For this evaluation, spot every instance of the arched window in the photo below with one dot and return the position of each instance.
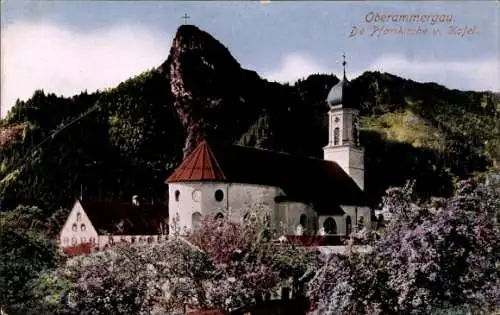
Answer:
(219, 216)
(92, 240)
(83, 228)
(66, 241)
(348, 226)
(355, 132)
(177, 195)
(303, 220)
(150, 239)
(196, 219)
(219, 195)
(78, 216)
(336, 136)
(361, 223)
(74, 240)
(132, 240)
(74, 227)
(380, 221)
(330, 226)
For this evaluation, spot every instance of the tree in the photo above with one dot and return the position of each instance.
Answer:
(221, 265)
(432, 257)
(23, 256)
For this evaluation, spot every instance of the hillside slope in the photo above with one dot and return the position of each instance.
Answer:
(116, 143)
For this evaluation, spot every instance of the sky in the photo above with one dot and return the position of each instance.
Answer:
(65, 47)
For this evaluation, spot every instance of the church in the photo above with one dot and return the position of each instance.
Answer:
(297, 195)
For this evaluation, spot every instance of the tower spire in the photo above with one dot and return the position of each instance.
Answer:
(343, 64)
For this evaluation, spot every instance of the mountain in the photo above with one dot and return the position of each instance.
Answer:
(119, 142)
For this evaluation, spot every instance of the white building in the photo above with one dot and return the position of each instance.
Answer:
(301, 195)
(103, 224)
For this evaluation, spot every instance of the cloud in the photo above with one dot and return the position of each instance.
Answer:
(61, 61)
(483, 74)
(294, 66)
(472, 74)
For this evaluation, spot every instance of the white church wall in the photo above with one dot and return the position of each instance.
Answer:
(77, 229)
(357, 214)
(245, 198)
(288, 216)
(208, 199)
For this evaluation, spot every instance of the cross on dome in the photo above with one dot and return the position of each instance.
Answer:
(343, 64)
(185, 17)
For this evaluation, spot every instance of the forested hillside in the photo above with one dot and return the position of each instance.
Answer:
(126, 140)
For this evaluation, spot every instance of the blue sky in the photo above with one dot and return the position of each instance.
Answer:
(68, 46)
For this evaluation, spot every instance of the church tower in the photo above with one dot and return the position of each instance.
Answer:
(343, 131)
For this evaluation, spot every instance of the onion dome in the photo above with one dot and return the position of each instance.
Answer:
(341, 93)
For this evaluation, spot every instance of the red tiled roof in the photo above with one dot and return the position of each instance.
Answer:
(124, 218)
(301, 178)
(199, 165)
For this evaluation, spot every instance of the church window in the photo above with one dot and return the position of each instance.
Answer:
(83, 227)
(74, 227)
(219, 195)
(150, 239)
(74, 240)
(348, 226)
(330, 226)
(66, 240)
(78, 216)
(196, 219)
(303, 219)
(336, 135)
(92, 240)
(219, 216)
(177, 195)
(196, 195)
(361, 223)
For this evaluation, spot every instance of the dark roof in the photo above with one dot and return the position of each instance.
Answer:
(342, 94)
(301, 178)
(125, 218)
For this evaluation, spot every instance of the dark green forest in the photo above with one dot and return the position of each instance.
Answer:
(116, 143)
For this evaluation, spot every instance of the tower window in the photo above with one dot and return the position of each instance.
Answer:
(177, 195)
(219, 195)
(355, 132)
(336, 136)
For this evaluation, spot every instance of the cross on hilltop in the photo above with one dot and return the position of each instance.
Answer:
(185, 17)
